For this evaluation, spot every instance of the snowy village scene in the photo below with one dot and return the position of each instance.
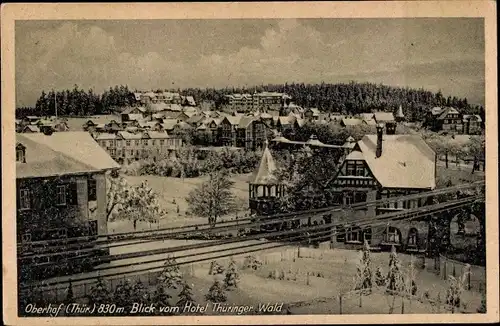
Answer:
(216, 167)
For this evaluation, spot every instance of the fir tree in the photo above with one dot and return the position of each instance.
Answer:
(482, 307)
(69, 295)
(171, 276)
(141, 295)
(232, 276)
(216, 293)
(161, 298)
(99, 292)
(394, 276)
(186, 296)
(379, 277)
(364, 272)
(123, 294)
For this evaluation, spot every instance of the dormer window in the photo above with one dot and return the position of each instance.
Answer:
(20, 153)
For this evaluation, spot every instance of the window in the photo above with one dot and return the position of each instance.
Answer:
(354, 234)
(340, 233)
(127, 142)
(24, 199)
(162, 142)
(137, 143)
(144, 141)
(392, 235)
(348, 198)
(20, 157)
(367, 235)
(131, 152)
(61, 195)
(137, 153)
(360, 170)
(351, 168)
(153, 142)
(360, 197)
(92, 189)
(112, 152)
(413, 238)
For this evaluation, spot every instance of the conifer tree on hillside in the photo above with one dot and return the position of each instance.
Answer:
(216, 293)
(185, 296)
(232, 276)
(99, 292)
(171, 276)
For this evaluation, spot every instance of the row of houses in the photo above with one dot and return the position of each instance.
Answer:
(31, 124)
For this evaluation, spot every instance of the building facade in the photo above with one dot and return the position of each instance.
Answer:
(126, 147)
(380, 167)
(60, 186)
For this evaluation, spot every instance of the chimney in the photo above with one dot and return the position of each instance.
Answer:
(380, 130)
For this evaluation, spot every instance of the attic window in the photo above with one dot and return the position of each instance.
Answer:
(20, 153)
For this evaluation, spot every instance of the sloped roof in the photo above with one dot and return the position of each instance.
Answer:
(246, 121)
(131, 109)
(367, 116)
(472, 117)
(156, 134)
(169, 124)
(406, 161)
(127, 135)
(233, 120)
(105, 136)
(61, 153)
(351, 121)
(195, 118)
(266, 115)
(436, 110)
(355, 155)
(32, 128)
(135, 116)
(265, 172)
(384, 116)
(301, 122)
(447, 111)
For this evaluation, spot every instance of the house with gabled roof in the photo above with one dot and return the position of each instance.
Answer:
(446, 119)
(60, 185)
(311, 114)
(229, 126)
(380, 167)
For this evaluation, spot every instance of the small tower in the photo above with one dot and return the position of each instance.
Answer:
(264, 189)
(349, 145)
(399, 115)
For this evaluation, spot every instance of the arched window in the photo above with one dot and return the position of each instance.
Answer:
(412, 238)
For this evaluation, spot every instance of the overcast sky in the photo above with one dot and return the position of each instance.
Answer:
(446, 54)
